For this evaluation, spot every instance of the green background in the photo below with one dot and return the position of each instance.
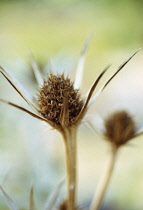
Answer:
(54, 31)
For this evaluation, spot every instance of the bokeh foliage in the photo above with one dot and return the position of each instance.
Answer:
(52, 28)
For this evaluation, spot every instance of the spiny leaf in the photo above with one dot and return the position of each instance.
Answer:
(31, 199)
(9, 200)
(19, 88)
(36, 70)
(53, 197)
(111, 78)
(81, 114)
(80, 65)
(25, 110)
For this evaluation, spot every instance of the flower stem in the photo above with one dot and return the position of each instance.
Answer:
(104, 181)
(69, 135)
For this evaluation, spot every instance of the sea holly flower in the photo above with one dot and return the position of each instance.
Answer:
(59, 104)
(119, 129)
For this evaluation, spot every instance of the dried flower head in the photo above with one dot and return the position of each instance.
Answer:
(57, 92)
(59, 103)
(119, 128)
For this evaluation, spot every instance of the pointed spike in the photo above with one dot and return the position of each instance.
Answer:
(81, 114)
(36, 70)
(96, 83)
(109, 80)
(95, 96)
(31, 199)
(86, 44)
(19, 88)
(64, 115)
(27, 111)
(121, 67)
(53, 197)
(80, 65)
(9, 200)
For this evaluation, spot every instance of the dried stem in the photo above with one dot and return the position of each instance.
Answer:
(104, 181)
(69, 135)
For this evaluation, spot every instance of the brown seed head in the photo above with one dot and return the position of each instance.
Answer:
(58, 101)
(120, 128)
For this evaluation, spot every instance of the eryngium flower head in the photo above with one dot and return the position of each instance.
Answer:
(119, 128)
(57, 92)
(58, 102)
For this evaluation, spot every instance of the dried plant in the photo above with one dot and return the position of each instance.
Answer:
(50, 204)
(9, 200)
(59, 104)
(120, 128)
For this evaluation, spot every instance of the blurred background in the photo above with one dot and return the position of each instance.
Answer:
(54, 31)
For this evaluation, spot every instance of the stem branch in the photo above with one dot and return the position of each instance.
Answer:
(70, 150)
(104, 181)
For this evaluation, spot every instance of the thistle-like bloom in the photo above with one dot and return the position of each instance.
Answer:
(59, 101)
(59, 104)
(119, 129)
